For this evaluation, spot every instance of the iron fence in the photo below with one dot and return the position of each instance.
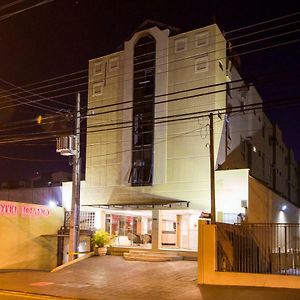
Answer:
(258, 248)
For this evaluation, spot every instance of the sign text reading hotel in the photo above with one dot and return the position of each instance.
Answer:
(23, 210)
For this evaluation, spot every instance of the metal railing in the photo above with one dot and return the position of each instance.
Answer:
(258, 248)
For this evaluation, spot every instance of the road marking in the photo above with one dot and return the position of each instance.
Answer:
(41, 283)
(31, 296)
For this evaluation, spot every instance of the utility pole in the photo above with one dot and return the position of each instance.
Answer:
(212, 170)
(75, 209)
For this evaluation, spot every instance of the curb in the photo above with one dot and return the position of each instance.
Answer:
(34, 295)
(72, 262)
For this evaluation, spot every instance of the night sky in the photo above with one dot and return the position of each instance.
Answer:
(60, 37)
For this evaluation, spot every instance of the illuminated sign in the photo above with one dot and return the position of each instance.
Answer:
(7, 208)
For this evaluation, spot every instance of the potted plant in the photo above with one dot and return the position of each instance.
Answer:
(100, 240)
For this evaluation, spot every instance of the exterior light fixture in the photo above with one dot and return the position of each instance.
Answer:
(254, 149)
(283, 207)
(52, 204)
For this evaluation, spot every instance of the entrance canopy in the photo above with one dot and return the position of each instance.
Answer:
(141, 201)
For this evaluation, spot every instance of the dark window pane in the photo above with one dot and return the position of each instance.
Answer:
(143, 111)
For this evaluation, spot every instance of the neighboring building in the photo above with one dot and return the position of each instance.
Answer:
(253, 142)
(148, 160)
(42, 195)
(29, 235)
(38, 181)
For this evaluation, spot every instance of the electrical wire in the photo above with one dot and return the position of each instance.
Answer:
(263, 22)
(41, 106)
(271, 28)
(9, 15)
(46, 122)
(181, 117)
(247, 52)
(5, 6)
(29, 159)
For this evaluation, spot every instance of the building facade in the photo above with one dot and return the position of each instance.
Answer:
(148, 156)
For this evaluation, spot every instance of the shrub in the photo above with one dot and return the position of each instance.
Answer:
(101, 238)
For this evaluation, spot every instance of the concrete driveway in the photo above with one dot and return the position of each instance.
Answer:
(112, 277)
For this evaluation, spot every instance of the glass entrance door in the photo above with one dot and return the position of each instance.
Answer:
(130, 230)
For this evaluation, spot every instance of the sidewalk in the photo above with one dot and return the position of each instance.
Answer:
(112, 277)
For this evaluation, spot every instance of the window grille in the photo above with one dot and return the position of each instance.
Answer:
(87, 220)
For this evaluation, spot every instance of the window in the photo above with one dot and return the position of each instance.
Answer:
(243, 147)
(229, 89)
(221, 65)
(98, 68)
(97, 89)
(180, 45)
(286, 160)
(244, 90)
(201, 64)
(113, 64)
(263, 163)
(201, 39)
(242, 106)
(143, 112)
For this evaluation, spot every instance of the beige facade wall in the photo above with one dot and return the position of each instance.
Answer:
(22, 227)
(181, 155)
(232, 193)
(265, 206)
(190, 73)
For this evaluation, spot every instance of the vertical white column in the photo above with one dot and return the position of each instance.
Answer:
(156, 236)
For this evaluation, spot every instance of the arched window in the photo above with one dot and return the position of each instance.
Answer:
(143, 111)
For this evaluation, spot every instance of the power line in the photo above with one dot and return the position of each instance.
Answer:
(54, 119)
(230, 56)
(28, 159)
(263, 22)
(46, 92)
(11, 4)
(9, 15)
(47, 120)
(176, 93)
(265, 29)
(181, 117)
(49, 80)
(251, 51)
(41, 106)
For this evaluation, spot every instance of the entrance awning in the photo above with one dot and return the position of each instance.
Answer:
(142, 201)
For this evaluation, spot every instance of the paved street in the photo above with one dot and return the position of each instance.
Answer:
(8, 295)
(111, 277)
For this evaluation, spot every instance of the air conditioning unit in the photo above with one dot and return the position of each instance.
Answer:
(65, 145)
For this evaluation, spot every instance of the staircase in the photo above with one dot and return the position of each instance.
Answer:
(151, 256)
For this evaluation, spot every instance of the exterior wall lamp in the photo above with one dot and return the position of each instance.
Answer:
(283, 207)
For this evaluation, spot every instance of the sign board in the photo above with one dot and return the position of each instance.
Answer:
(21, 209)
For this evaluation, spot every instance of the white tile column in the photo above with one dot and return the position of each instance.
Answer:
(156, 236)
